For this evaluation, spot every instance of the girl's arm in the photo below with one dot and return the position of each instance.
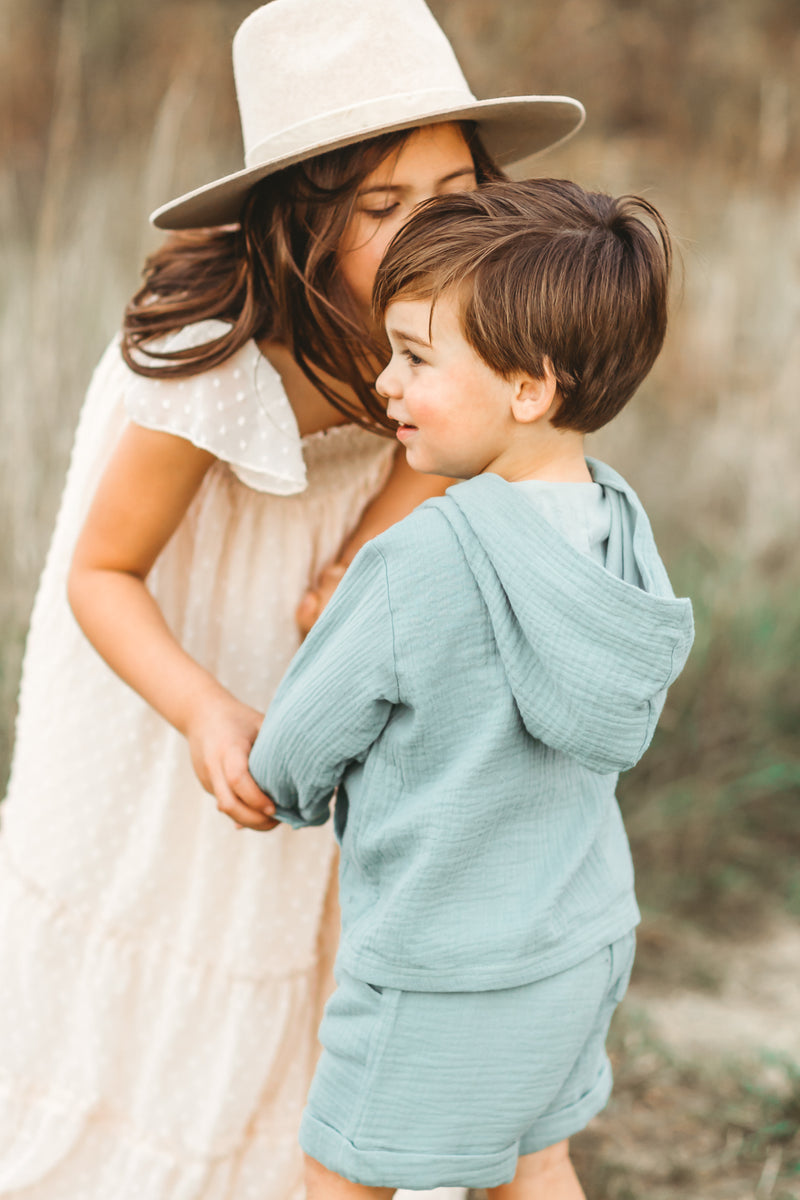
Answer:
(403, 491)
(145, 491)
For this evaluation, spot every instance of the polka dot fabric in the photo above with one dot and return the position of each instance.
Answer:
(161, 973)
(239, 411)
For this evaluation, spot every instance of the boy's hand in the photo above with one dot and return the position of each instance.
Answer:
(316, 598)
(221, 735)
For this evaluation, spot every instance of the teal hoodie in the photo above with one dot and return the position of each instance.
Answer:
(473, 689)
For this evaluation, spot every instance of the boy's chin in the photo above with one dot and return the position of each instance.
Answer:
(425, 465)
(426, 468)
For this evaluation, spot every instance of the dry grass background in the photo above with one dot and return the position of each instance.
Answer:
(108, 109)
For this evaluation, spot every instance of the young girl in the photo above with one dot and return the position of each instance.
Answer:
(161, 974)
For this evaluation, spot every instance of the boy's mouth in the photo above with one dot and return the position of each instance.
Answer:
(404, 431)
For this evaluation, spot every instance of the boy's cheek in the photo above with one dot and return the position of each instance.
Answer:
(421, 406)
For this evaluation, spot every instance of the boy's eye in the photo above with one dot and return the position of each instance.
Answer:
(413, 358)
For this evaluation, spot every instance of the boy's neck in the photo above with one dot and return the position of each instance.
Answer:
(557, 459)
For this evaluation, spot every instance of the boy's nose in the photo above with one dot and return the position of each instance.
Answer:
(385, 385)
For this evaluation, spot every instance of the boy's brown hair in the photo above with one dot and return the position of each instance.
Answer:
(544, 270)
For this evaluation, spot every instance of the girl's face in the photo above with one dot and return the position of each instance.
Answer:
(434, 159)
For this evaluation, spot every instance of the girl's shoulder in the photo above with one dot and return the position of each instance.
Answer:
(238, 411)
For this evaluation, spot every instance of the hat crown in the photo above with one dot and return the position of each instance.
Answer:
(301, 66)
(315, 75)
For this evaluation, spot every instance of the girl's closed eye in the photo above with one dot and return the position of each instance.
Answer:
(378, 214)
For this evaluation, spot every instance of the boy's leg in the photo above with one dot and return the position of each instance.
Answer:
(322, 1184)
(545, 1175)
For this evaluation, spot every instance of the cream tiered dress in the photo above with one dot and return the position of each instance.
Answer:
(161, 973)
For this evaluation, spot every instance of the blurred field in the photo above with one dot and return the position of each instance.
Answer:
(108, 109)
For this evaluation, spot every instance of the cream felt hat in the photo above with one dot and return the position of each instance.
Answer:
(312, 75)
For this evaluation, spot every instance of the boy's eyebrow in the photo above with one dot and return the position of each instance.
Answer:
(402, 336)
(397, 187)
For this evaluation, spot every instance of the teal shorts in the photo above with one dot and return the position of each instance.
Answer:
(432, 1089)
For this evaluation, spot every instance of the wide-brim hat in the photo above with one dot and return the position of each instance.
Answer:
(313, 75)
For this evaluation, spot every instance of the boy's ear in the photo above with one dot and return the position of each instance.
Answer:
(533, 398)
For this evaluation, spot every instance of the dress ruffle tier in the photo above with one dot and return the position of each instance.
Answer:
(161, 973)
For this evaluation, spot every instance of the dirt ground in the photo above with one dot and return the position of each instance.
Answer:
(707, 1102)
(756, 1007)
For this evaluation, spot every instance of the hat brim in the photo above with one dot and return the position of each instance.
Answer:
(512, 129)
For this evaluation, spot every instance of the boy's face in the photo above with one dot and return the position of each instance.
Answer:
(453, 410)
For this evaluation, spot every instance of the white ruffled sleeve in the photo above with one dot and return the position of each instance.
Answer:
(238, 411)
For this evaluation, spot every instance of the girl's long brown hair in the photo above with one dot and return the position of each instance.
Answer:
(275, 276)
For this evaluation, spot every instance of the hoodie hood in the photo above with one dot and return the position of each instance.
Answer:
(589, 650)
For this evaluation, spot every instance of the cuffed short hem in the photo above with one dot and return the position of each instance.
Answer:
(401, 1169)
(554, 1127)
(421, 1172)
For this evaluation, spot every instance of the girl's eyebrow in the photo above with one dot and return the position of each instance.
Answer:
(398, 187)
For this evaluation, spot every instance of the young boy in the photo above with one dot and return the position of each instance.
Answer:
(482, 674)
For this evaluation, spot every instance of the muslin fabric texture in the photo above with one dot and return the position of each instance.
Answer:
(161, 973)
(528, 1066)
(473, 690)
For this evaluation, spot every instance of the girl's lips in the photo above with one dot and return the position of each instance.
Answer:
(404, 431)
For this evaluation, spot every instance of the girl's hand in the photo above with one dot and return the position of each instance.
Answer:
(220, 735)
(144, 493)
(315, 599)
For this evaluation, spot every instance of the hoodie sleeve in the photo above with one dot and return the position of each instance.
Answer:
(334, 700)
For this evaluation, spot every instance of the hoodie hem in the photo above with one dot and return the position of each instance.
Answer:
(373, 969)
